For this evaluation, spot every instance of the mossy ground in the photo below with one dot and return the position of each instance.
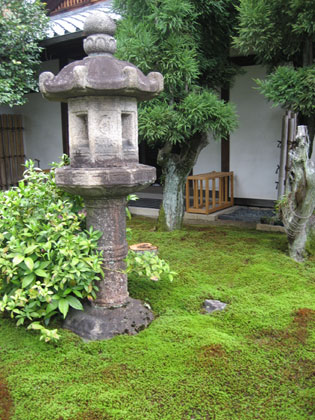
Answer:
(253, 360)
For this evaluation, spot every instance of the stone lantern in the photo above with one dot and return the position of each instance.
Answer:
(102, 94)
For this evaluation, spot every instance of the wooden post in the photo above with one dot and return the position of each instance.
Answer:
(187, 195)
(207, 195)
(291, 137)
(6, 151)
(283, 154)
(220, 192)
(13, 129)
(196, 194)
(226, 199)
(2, 163)
(213, 194)
(20, 148)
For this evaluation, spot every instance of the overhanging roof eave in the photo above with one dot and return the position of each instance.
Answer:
(62, 38)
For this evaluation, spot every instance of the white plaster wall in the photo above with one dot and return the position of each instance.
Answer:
(254, 154)
(209, 158)
(42, 124)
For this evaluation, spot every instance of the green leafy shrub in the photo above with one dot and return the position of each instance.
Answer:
(48, 261)
(149, 266)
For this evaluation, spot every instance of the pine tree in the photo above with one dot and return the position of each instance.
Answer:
(188, 42)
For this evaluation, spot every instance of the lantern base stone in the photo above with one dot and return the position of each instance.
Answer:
(100, 323)
(106, 182)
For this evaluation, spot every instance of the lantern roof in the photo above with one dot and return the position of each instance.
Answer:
(100, 73)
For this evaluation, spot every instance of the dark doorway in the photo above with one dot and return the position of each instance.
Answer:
(148, 156)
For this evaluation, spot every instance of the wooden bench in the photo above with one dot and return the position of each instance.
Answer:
(211, 192)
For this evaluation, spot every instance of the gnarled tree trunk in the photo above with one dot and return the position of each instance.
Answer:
(175, 169)
(298, 206)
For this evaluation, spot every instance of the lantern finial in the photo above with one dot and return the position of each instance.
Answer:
(99, 29)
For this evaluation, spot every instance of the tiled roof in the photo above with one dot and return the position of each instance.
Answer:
(73, 21)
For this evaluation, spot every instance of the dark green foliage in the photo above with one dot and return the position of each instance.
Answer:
(23, 24)
(276, 30)
(188, 42)
(254, 360)
(293, 89)
(161, 123)
(279, 32)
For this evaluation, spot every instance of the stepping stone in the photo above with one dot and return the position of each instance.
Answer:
(211, 305)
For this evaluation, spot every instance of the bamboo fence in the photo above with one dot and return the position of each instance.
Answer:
(12, 155)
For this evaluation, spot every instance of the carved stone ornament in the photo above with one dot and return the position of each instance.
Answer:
(102, 94)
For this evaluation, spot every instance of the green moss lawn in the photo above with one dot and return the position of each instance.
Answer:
(253, 360)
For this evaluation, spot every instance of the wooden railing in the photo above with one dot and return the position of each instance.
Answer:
(70, 4)
(12, 155)
(211, 192)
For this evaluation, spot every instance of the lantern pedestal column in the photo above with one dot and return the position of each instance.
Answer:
(104, 191)
(113, 311)
(109, 217)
